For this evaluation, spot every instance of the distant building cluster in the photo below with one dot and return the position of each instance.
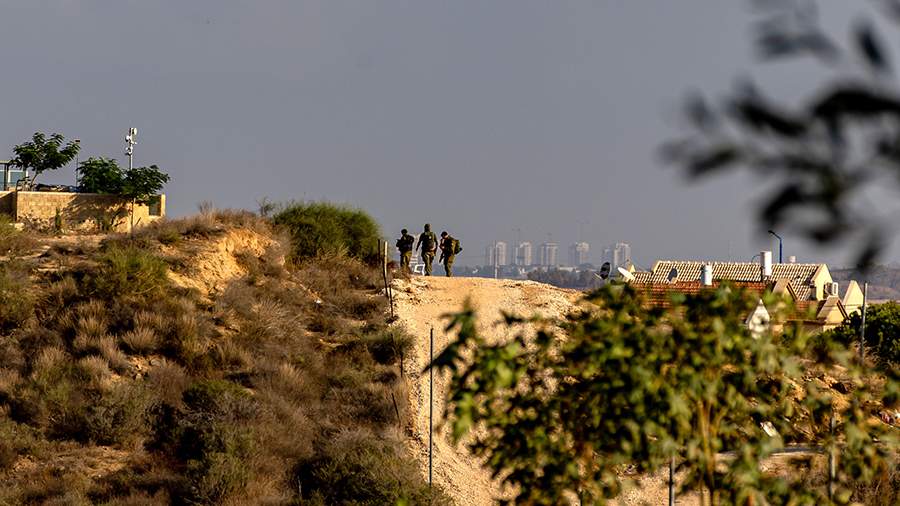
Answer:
(548, 254)
(523, 254)
(495, 254)
(618, 255)
(579, 254)
(515, 260)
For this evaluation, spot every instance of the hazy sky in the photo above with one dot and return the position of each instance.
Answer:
(477, 116)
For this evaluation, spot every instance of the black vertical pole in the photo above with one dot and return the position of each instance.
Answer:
(430, 405)
(862, 330)
(672, 481)
(831, 459)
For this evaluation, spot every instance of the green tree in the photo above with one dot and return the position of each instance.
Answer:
(141, 185)
(43, 153)
(882, 333)
(633, 386)
(100, 175)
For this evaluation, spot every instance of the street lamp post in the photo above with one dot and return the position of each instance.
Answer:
(780, 247)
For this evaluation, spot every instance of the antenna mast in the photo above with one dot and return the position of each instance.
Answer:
(130, 141)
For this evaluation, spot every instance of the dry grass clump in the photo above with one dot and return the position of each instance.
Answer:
(207, 223)
(48, 361)
(9, 380)
(168, 381)
(60, 293)
(96, 370)
(149, 320)
(231, 356)
(141, 340)
(118, 360)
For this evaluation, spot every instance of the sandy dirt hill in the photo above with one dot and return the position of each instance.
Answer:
(421, 303)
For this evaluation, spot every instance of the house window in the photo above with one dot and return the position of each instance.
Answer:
(12, 177)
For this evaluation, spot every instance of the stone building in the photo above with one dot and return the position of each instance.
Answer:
(78, 211)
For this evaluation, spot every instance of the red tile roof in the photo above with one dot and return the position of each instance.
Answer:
(660, 294)
(799, 275)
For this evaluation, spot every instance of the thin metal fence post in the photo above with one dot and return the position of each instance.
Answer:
(430, 406)
(672, 481)
(831, 463)
(862, 333)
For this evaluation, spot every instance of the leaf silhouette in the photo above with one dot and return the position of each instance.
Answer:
(713, 160)
(854, 101)
(763, 117)
(870, 47)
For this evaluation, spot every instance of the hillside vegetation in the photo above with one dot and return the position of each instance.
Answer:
(191, 364)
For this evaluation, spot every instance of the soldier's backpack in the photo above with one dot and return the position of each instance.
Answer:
(428, 241)
(456, 247)
(405, 243)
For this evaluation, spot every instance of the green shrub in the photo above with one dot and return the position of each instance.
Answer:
(112, 418)
(882, 333)
(322, 228)
(126, 270)
(358, 467)
(212, 437)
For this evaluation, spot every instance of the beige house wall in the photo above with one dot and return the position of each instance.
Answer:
(853, 298)
(821, 278)
(82, 211)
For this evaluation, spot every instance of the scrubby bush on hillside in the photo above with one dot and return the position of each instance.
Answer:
(127, 270)
(353, 467)
(212, 437)
(322, 228)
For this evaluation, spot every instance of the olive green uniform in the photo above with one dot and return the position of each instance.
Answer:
(405, 245)
(428, 254)
(447, 255)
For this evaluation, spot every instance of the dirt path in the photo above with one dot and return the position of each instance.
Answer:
(421, 303)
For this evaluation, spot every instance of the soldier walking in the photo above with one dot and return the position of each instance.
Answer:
(428, 241)
(405, 245)
(449, 248)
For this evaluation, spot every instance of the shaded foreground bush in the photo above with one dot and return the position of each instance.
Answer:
(249, 396)
(882, 333)
(353, 467)
(322, 228)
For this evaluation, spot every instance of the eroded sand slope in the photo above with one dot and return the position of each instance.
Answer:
(420, 304)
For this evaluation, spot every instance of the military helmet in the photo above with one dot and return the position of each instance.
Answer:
(403, 231)
(428, 227)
